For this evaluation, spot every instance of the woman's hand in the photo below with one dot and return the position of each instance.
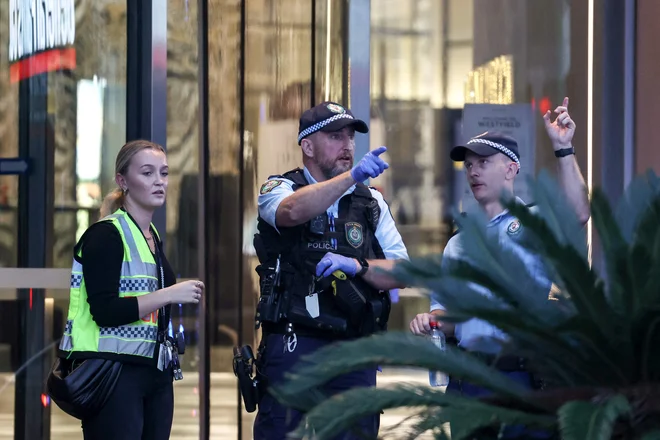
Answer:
(186, 292)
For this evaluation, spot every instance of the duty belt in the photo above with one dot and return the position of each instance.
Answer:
(281, 328)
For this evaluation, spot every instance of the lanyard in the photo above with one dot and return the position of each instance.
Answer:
(163, 319)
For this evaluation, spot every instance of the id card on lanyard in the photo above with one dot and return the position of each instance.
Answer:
(164, 351)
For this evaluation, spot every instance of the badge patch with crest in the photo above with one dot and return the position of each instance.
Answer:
(269, 186)
(354, 234)
(514, 227)
(335, 108)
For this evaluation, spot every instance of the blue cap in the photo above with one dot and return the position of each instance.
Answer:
(487, 144)
(328, 117)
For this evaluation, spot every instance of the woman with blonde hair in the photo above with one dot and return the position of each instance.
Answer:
(122, 287)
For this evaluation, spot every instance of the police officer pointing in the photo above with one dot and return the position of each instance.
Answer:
(492, 161)
(321, 233)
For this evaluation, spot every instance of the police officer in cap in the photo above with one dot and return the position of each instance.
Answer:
(321, 235)
(492, 162)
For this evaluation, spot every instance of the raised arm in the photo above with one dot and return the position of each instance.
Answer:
(312, 200)
(561, 133)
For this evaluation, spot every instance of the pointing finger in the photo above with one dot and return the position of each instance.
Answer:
(565, 104)
(378, 151)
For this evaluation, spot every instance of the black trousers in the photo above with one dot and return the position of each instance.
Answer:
(140, 407)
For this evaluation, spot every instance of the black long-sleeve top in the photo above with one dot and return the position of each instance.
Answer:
(102, 258)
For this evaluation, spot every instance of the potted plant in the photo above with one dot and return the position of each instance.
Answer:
(595, 340)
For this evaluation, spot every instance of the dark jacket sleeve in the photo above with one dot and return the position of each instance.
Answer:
(102, 257)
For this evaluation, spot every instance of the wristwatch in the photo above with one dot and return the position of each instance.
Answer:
(365, 267)
(565, 152)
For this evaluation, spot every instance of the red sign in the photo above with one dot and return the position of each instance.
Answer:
(40, 36)
(49, 61)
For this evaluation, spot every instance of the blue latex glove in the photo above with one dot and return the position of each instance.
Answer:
(370, 166)
(332, 262)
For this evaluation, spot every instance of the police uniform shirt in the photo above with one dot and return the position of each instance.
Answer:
(475, 334)
(277, 189)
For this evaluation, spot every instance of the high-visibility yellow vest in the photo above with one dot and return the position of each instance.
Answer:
(139, 276)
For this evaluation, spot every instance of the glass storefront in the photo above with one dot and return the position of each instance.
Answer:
(237, 76)
(443, 71)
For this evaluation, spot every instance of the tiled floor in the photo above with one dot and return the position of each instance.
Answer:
(185, 427)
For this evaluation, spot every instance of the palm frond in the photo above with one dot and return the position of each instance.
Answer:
(598, 324)
(648, 327)
(599, 338)
(646, 245)
(580, 280)
(654, 435)
(518, 288)
(419, 423)
(394, 349)
(635, 201)
(344, 410)
(554, 351)
(592, 421)
(615, 250)
(559, 216)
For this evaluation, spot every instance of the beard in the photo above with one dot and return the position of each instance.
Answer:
(332, 170)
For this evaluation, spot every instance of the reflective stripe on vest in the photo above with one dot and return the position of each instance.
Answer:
(139, 276)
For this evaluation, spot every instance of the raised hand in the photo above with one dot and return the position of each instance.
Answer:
(370, 166)
(562, 129)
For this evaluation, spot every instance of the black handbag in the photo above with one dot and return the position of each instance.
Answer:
(82, 387)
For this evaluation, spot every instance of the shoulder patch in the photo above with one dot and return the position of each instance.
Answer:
(514, 227)
(269, 186)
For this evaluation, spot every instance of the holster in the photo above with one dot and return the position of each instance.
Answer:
(252, 384)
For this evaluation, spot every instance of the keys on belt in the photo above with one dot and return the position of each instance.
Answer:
(176, 366)
(168, 355)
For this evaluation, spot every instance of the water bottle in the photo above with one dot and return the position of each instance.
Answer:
(438, 378)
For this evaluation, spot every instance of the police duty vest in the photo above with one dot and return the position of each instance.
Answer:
(300, 248)
(139, 276)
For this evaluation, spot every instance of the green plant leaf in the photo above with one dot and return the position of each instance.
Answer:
(481, 249)
(558, 214)
(636, 199)
(591, 421)
(574, 270)
(646, 249)
(648, 332)
(654, 435)
(393, 348)
(466, 415)
(586, 291)
(615, 250)
(535, 307)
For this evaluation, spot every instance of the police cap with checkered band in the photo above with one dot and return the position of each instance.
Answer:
(328, 117)
(488, 144)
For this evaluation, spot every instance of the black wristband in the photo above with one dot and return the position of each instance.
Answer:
(365, 267)
(565, 152)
